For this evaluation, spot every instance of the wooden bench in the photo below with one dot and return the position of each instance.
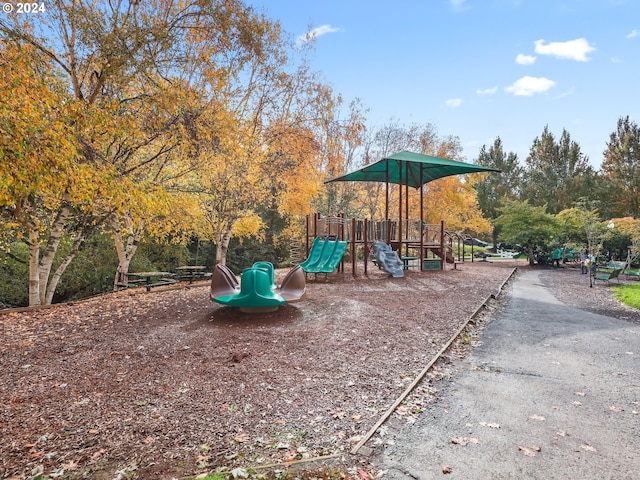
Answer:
(191, 273)
(149, 280)
(634, 274)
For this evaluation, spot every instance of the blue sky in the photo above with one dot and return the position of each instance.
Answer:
(479, 69)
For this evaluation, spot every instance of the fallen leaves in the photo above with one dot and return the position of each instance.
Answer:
(402, 410)
(490, 425)
(530, 451)
(241, 438)
(464, 440)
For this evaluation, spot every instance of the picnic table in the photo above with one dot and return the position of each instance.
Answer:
(193, 272)
(150, 279)
(409, 262)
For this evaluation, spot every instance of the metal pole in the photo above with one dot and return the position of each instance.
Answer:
(406, 209)
(386, 188)
(399, 207)
(421, 222)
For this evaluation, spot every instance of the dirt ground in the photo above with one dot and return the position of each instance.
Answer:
(167, 384)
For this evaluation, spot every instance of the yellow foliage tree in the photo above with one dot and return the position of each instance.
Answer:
(41, 179)
(630, 226)
(128, 68)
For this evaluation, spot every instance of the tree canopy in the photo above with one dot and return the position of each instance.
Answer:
(178, 121)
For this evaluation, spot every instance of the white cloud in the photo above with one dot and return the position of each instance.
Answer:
(616, 60)
(527, 86)
(573, 49)
(565, 94)
(525, 59)
(313, 35)
(487, 91)
(453, 102)
(458, 4)
(634, 33)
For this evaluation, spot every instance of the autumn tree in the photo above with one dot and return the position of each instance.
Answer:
(557, 173)
(340, 139)
(121, 62)
(630, 227)
(41, 179)
(621, 169)
(267, 157)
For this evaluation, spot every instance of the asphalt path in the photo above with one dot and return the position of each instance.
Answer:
(553, 392)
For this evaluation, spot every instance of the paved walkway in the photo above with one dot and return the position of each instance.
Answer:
(553, 392)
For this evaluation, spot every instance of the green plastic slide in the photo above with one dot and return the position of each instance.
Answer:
(325, 255)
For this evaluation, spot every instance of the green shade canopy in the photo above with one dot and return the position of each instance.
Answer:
(404, 168)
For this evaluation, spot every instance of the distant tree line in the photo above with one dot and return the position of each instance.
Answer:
(556, 197)
(137, 136)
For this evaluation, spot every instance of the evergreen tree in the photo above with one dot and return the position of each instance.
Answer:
(493, 190)
(621, 169)
(557, 173)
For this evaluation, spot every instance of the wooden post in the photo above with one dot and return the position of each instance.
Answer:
(306, 234)
(316, 216)
(353, 247)
(442, 251)
(366, 245)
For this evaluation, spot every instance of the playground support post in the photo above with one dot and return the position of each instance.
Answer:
(353, 246)
(443, 253)
(366, 245)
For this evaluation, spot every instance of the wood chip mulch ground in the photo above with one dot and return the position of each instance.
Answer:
(167, 384)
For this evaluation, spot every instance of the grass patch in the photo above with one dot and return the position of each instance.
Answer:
(628, 294)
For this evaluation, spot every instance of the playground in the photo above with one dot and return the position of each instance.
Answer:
(171, 383)
(167, 383)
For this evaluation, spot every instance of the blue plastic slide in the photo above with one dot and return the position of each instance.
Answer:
(388, 259)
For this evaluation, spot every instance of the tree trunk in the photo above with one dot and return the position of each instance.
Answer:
(494, 237)
(222, 246)
(53, 282)
(532, 259)
(125, 249)
(41, 287)
(34, 260)
(46, 262)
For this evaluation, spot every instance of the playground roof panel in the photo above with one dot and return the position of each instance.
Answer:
(413, 169)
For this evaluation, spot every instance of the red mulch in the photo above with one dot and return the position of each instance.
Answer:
(167, 384)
